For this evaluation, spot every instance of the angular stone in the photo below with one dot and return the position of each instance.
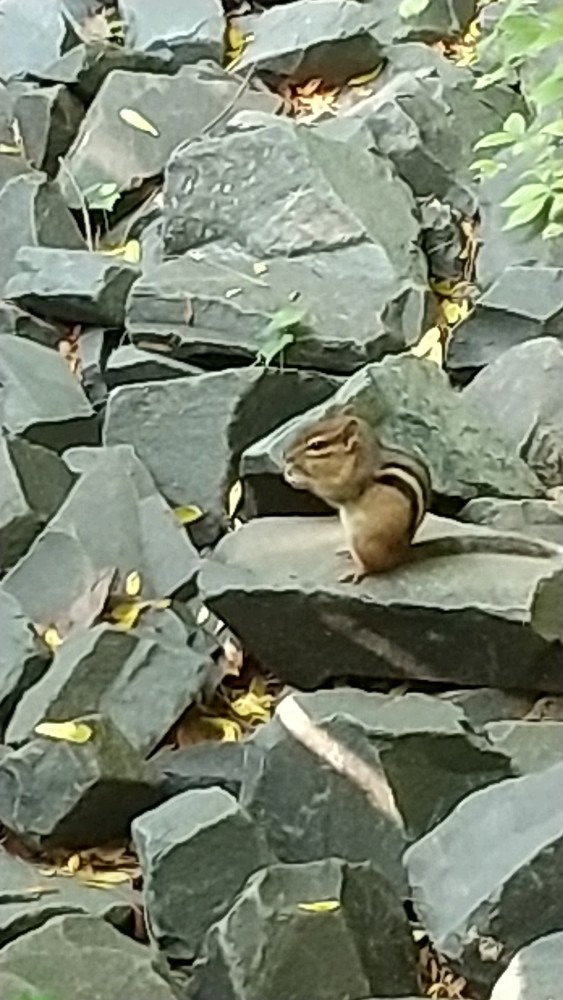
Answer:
(48, 119)
(84, 67)
(333, 39)
(207, 420)
(520, 393)
(206, 843)
(92, 349)
(71, 953)
(34, 33)
(525, 302)
(481, 705)
(532, 746)
(72, 286)
(540, 518)
(481, 892)
(30, 898)
(261, 949)
(437, 22)
(176, 32)
(206, 765)
(129, 364)
(355, 775)
(34, 481)
(54, 793)
(142, 683)
(275, 582)
(214, 311)
(411, 404)
(535, 972)
(41, 400)
(174, 106)
(22, 324)
(32, 214)
(23, 657)
(82, 542)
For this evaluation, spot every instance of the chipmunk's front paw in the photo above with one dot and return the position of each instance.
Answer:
(344, 552)
(353, 576)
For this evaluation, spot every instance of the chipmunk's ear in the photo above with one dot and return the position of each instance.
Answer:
(349, 432)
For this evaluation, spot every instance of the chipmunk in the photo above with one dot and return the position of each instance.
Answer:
(381, 496)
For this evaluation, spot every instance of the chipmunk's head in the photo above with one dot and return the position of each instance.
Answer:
(334, 458)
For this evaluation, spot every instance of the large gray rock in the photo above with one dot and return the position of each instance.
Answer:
(48, 119)
(34, 33)
(262, 948)
(411, 405)
(535, 972)
(22, 324)
(173, 106)
(190, 432)
(540, 518)
(531, 745)
(196, 852)
(482, 892)
(112, 520)
(23, 657)
(78, 957)
(40, 399)
(476, 619)
(57, 793)
(357, 776)
(175, 31)
(142, 681)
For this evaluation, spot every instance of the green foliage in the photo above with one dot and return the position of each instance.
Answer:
(521, 33)
(285, 327)
(102, 195)
(410, 8)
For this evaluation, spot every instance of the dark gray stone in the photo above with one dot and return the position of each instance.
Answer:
(72, 286)
(532, 746)
(34, 33)
(411, 404)
(540, 518)
(175, 31)
(176, 107)
(21, 324)
(129, 364)
(437, 22)
(113, 518)
(535, 972)
(355, 775)
(23, 657)
(332, 39)
(54, 793)
(143, 683)
(40, 398)
(262, 948)
(482, 892)
(205, 843)
(34, 481)
(207, 765)
(30, 898)
(357, 309)
(48, 118)
(481, 705)
(77, 957)
(93, 348)
(32, 214)
(84, 67)
(191, 432)
(524, 303)
(473, 619)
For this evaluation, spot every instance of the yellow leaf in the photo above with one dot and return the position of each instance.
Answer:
(52, 638)
(230, 731)
(357, 81)
(107, 878)
(322, 906)
(236, 43)
(9, 150)
(136, 120)
(70, 732)
(202, 615)
(188, 514)
(133, 584)
(454, 312)
(73, 863)
(127, 614)
(251, 706)
(235, 497)
(260, 268)
(430, 346)
(130, 252)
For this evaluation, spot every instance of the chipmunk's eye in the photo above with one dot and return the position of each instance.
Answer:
(316, 444)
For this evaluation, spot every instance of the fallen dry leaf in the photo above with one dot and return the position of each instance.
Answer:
(68, 732)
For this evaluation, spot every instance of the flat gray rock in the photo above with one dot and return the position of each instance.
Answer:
(531, 745)
(23, 657)
(468, 619)
(176, 32)
(77, 957)
(535, 972)
(22, 324)
(540, 518)
(486, 704)
(206, 843)
(411, 404)
(48, 119)
(34, 33)
(481, 892)
(272, 943)
(129, 364)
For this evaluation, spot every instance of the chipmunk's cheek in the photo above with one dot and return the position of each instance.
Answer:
(292, 477)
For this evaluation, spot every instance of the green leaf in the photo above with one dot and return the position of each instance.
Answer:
(515, 125)
(488, 168)
(285, 318)
(556, 208)
(103, 195)
(488, 79)
(549, 90)
(494, 139)
(552, 230)
(274, 345)
(525, 194)
(554, 128)
(410, 8)
(524, 214)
